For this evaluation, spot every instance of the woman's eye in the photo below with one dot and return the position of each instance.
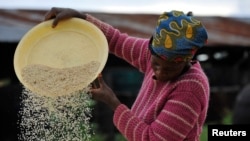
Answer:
(156, 64)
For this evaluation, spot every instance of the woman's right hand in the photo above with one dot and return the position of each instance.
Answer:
(59, 14)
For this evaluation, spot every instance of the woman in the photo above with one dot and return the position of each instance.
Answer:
(173, 100)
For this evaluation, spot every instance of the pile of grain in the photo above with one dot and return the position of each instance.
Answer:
(48, 81)
(58, 107)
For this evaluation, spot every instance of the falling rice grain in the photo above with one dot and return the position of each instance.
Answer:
(58, 108)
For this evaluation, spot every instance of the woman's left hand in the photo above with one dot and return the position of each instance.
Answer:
(105, 94)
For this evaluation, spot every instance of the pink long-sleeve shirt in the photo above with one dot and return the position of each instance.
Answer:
(172, 111)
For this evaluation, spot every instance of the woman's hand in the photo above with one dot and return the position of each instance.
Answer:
(105, 94)
(59, 14)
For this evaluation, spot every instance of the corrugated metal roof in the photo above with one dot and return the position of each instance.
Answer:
(15, 23)
(221, 31)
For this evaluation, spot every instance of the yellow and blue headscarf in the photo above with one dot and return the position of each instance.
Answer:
(177, 37)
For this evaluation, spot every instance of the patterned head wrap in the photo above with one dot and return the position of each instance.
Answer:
(177, 37)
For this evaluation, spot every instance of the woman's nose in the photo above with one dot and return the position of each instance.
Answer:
(157, 71)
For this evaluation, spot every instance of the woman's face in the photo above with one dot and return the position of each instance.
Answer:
(165, 70)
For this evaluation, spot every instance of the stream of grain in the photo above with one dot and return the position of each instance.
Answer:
(59, 108)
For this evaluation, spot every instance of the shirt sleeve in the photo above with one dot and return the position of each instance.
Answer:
(131, 49)
(173, 122)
